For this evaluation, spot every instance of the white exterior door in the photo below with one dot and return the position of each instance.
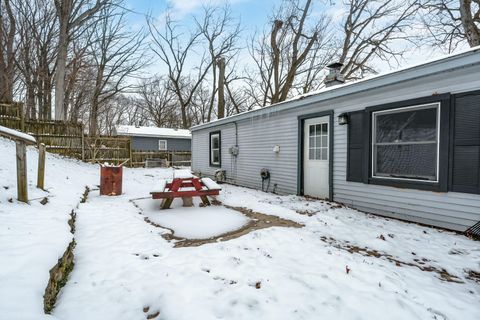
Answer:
(316, 143)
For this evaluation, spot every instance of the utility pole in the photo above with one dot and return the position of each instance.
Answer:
(221, 94)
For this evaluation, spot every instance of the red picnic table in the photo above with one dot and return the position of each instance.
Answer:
(185, 187)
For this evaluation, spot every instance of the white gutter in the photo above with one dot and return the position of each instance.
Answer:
(460, 60)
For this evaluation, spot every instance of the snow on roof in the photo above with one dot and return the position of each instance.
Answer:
(356, 86)
(125, 130)
(16, 135)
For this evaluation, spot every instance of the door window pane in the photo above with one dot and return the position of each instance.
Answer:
(324, 154)
(318, 140)
(324, 141)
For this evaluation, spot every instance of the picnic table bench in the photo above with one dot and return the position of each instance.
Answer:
(185, 187)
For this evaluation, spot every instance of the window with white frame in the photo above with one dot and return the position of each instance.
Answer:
(318, 141)
(215, 149)
(162, 144)
(405, 143)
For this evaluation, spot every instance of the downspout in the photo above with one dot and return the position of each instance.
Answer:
(234, 157)
(236, 133)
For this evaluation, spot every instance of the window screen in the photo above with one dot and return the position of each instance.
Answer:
(162, 144)
(215, 149)
(405, 143)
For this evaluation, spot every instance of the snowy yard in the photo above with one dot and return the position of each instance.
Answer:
(271, 257)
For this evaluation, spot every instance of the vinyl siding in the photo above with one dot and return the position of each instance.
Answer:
(151, 143)
(259, 134)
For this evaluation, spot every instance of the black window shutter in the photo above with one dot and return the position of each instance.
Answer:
(355, 146)
(465, 157)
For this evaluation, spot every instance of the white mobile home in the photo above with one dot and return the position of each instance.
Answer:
(405, 144)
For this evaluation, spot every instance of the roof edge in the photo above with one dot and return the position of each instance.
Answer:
(153, 136)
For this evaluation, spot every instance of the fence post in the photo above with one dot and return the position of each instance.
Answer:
(130, 151)
(41, 166)
(22, 191)
(83, 144)
(22, 117)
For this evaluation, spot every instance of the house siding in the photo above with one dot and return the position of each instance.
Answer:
(258, 135)
(151, 143)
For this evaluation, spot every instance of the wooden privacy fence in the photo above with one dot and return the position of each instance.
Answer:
(67, 138)
(11, 116)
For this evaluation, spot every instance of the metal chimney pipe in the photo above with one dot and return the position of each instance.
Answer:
(334, 76)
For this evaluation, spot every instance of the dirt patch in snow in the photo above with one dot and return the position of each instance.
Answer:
(420, 263)
(257, 221)
(60, 272)
(473, 275)
(150, 314)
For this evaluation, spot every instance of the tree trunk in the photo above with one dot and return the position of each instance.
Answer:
(7, 55)
(93, 127)
(221, 87)
(31, 110)
(47, 99)
(472, 32)
(60, 78)
(277, 25)
(63, 11)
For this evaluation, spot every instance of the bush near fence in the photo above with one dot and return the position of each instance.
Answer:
(67, 138)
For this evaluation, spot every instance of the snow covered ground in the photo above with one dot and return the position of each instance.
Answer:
(342, 264)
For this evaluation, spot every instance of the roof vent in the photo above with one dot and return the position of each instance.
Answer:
(334, 76)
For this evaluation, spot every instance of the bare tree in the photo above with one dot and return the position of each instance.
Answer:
(289, 50)
(7, 50)
(115, 112)
(72, 15)
(25, 58)
(452, 22)
(158, 102)
(116, 55)
(221, 32)
(36, 54)
(369, 31)
(174, 51)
